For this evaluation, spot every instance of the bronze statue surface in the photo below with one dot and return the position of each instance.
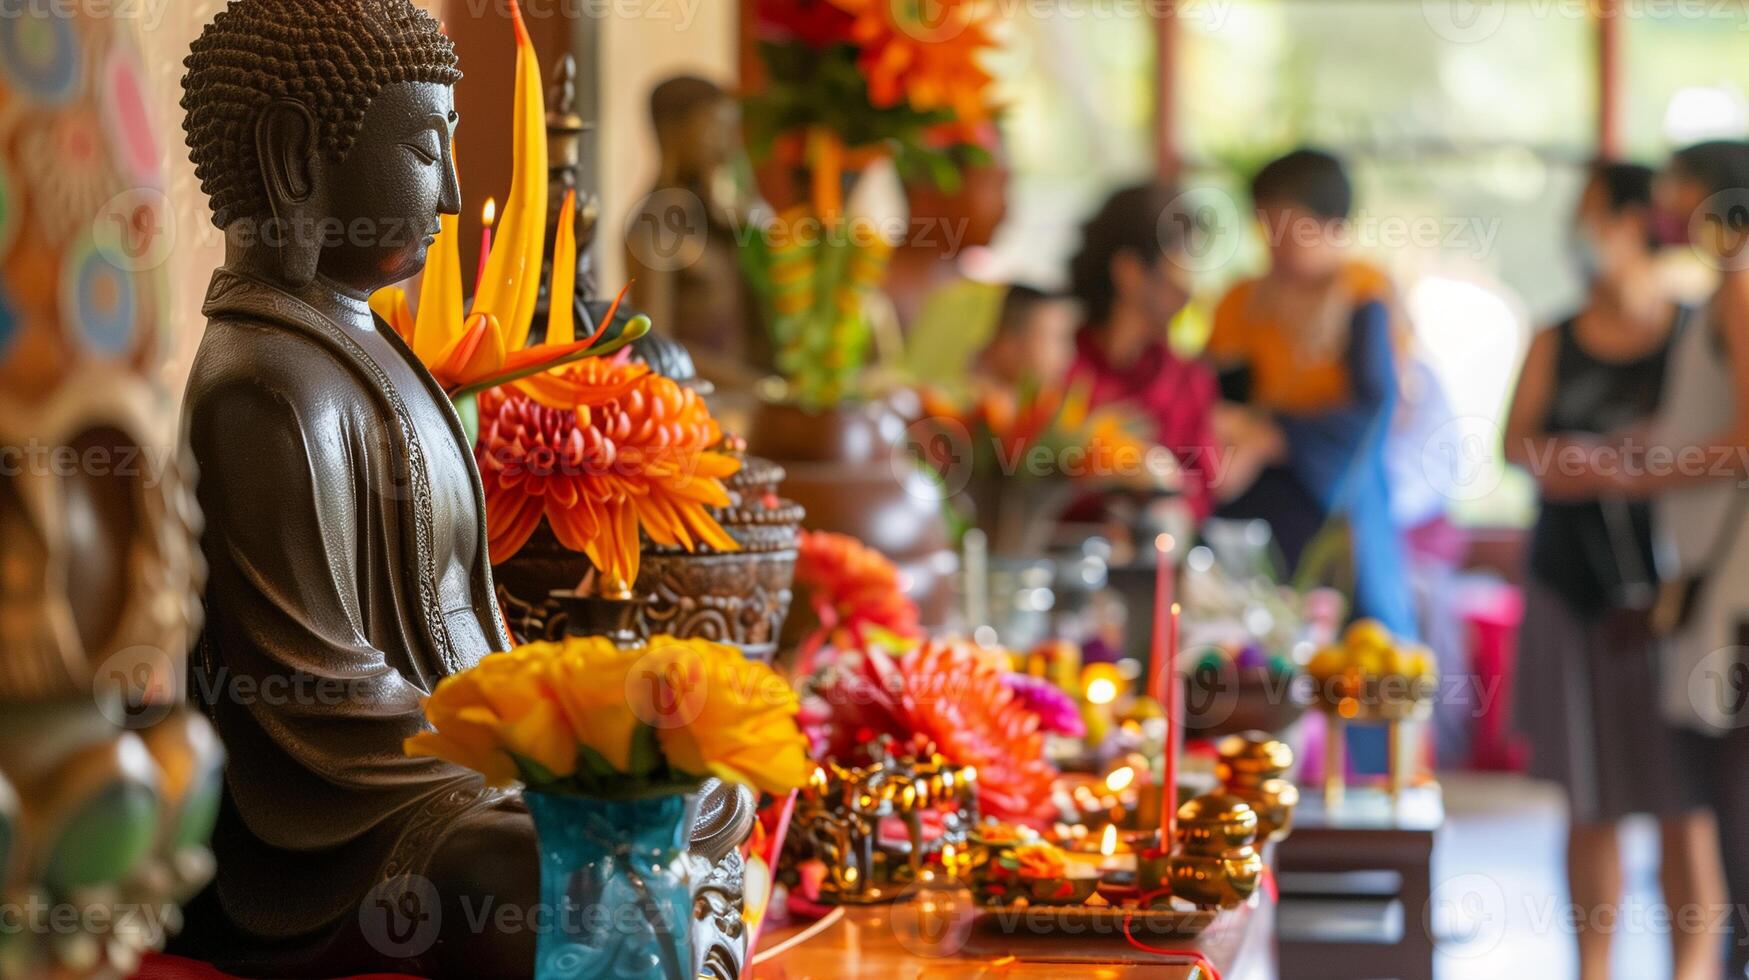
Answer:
(345, 520)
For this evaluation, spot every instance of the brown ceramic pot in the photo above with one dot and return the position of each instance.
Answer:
(849, 467)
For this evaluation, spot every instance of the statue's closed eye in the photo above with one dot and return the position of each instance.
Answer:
(426, 154)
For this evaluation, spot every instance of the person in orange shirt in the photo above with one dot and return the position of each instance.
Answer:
(1306, 356)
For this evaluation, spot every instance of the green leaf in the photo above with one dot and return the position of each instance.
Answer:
(468, 407)
(646, 754)
(593, 762)
(533, 773)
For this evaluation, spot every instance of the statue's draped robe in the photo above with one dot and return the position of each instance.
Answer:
(325, 620)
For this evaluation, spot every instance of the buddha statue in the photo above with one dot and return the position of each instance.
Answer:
(681, 250)
(344, 531)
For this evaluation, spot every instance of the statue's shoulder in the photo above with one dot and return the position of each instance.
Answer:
(269, 369)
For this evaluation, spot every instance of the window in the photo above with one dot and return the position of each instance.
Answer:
(1077, 82)
(1685, 74)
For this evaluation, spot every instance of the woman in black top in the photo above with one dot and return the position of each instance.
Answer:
(1586, 693)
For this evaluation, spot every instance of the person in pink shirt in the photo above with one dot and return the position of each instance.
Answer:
(1131, 279)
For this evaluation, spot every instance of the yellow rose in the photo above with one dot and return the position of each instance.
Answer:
(464, 731)
(588, 677)
(531, 723)
(718, 714)
(486, 717)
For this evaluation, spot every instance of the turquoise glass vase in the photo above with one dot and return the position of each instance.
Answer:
(616, 885)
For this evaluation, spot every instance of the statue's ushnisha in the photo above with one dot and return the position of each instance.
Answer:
(345, 528)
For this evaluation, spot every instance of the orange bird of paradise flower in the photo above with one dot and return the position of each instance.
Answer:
(487, 346)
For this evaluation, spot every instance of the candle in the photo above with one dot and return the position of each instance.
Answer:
(488, 214)
(1174, 708)
(1163, 592)
(1100, 686)
(1115, 853)
(1163, 668)
(977, 549)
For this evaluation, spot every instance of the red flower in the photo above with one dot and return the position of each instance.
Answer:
(958, 699)
(945, 696)
(816, 23)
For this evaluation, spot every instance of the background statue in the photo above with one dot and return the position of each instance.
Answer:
(345, 528)
(681, 249)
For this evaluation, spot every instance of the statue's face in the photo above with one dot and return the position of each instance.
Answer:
(389, 191)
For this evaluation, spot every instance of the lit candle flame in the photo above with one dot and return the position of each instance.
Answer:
(1108, 842)
(1120, 779)
(1165, 542)
(489, 213)
(1101, 691)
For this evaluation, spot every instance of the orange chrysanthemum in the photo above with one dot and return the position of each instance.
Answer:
(929, 62)
(637, 453)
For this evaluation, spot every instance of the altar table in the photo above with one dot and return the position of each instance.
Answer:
(884, 943)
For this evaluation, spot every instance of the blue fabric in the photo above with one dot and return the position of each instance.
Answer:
(1338, 455)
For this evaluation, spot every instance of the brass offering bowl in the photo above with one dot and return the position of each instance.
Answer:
(1254, 766)
(1216, 865)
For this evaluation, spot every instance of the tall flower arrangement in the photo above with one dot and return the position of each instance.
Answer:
(848, 82)
(602, 449)
(470, 349)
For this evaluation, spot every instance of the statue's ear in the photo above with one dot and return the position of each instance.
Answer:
(286, 146)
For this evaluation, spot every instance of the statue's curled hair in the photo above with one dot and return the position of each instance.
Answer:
(334, 56)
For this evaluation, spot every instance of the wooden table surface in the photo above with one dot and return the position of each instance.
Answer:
(906, 942)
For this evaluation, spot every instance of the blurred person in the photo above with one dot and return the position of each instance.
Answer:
(1696, 461)
(1587, 681)
(1131, 279)
(1307, 363)
(1033, 342)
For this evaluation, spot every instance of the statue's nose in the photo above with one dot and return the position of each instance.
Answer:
(450, 201)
